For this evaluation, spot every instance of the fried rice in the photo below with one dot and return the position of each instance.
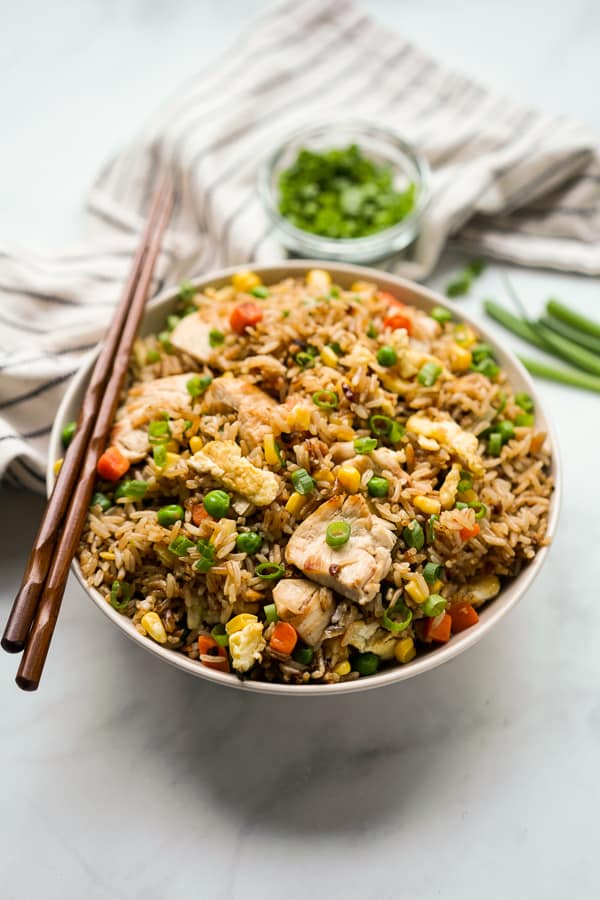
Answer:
(322, 483)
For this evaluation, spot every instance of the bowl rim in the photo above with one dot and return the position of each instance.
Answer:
(369, 244)
(497, 609)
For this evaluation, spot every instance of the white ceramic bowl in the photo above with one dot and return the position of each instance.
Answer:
(411, 293)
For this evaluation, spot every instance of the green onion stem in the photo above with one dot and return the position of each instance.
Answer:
(576, 320)
(573, 334)
(562, 376)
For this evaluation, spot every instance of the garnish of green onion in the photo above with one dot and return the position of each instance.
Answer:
(303, 655)
(207, 556)
(506, 429)
(260, 291)
(524, 420)
(413, 535)
(460, 286)
(120, 595)
(371, 331)
(152, 356)
(269, 571)
(397, 617)
(365, 445)
(570, 377)
(336, 347)
(571, 317)
(432, 571)
(396, 432)
(101, 500)
(172, 322)
(159, 454)
(164, 339)
(429, 374)
(434, 605)
(198, 384)
(215, 337)
(485, 366)
(187, 291)
(430, 527)
(494, 444)
(380, 425)
(337, 534)
(440, 314)
(132, 490)
(480, 508)
(465, 483)
(326, 399)
(159, 430)
(270, 611)
(302, 481)
(304, 360)
(219, 634)
(68, 433)
(525, 402)
(180, 545)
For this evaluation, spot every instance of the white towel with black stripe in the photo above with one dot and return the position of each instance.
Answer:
(507, 181)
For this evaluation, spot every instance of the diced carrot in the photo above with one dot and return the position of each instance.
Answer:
(390, 298)
(112, 465)
(211, 655)
(244, 316)
(284, 637)
(199, 513)
(469, 532)
(463, 616)
(438, 629)
(398, 321)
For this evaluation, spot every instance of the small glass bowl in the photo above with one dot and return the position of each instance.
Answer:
(379, 144)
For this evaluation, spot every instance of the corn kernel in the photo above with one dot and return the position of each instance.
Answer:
(300, 418)
(468, 496)
(417, 589)
(57, 465)
(295, 503)
(349, 478)
(153, 626)
(318, 281)
(342, 668)
(405, 650)
(239, 622)
(324, 475)
(172, 459)
(344, 433)
(464, 335)
(428, 505)
(329, 357)
(460, 358)
(196, 443)
(106, 554)
(245, 280)
(359, 286)
(271, 452)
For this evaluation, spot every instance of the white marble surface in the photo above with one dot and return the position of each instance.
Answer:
(122, 778)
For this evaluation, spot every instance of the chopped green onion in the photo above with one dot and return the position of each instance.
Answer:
(215, 337)
(525, 402)
(372, 331)
(172, 322)
(461, 285)
(216, 504)
(159, 454)
(304, 359)
(380, 425)
(502, 398)
(431, 527)
(460, 504)
(269, 571)
(429, 374)
(101, 500)
(285, 313)
(480, 508)
(440, 314)
(378, 486)
(337, 534)
(260, 291)
(336, 347)
(303, 655)
(525, 420)
(387, 356)
(413, 535)
(465, 483)
(187, 291)
(248, 542)
(434, 606)
(365, 445)
(164, 339)
(152, 356)
(481, 351)
(168, 515)
(505, 429)
(396, 625)
(180, 545)
(198, 384)
(120, 589)
(326, 399)
(432, 571)
(186, 424)
(207, 556)
(494, 444)
(302, 481)
(476, 267)
(159, 430)
(219, 634)
(67, 433)
(486, 367)
(365, 663)
(396, 432)
(133, 490)
(334, 292)
(270, 611)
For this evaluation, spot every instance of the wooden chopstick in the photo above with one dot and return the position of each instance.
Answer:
(40, 633)
(27, 599)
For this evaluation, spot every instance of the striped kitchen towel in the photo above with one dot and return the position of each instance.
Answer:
(507, 181)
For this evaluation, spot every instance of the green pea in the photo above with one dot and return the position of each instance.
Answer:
(365, 663)
(68, 433)
(378, 486)
(248, 541)
(216, 504)
(168, 515)
(387, 356)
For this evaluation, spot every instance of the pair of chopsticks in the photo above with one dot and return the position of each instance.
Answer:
(35, 610)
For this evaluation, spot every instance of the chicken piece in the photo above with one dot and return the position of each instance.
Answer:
(305, 606)
(224, 461)
(389, 460)
(145, 402)
(192, 334)
(368, 637)
(254, 407)
(450, 435)
(354, 570)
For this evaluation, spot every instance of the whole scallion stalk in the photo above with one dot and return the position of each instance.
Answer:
(562, 376)
(576, 320)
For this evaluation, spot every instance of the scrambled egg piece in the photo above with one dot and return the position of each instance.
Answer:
(246, 646)
(368, 637)
(449, 488)
(224, 461)
(461, 443)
